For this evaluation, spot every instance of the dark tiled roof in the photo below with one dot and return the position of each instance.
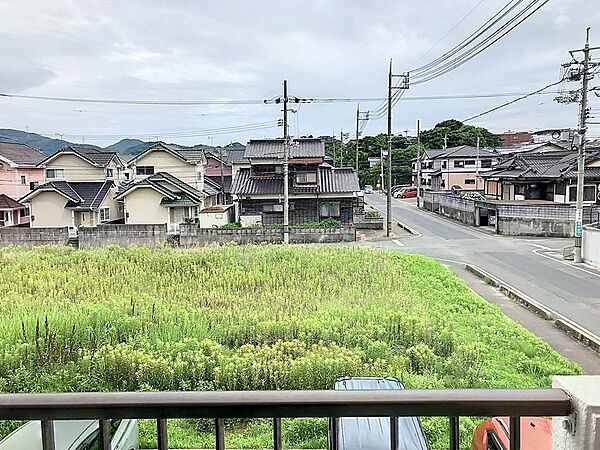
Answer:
(8, 203)
(330, 181)
(21, 154)
(273, 148)
(92, 155)
(81, 194)
(466, 151)
(226, 187)
(589, 172)
(236, 155)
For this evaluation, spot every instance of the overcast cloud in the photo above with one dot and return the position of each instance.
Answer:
(191, 50)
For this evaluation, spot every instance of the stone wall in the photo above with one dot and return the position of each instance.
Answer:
(194, 236)
(461, 209)
(33, 237)
(549, 220)
(123, 235)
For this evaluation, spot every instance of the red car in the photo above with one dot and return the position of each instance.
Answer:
(406, 192)
(494, 434)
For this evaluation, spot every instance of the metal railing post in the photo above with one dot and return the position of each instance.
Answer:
(394, 433)
(104, 435)
(162, 436)
(333, 426)
(515, 433)
(277, 434)
(219, 435)
(454, 433)
(48, 442)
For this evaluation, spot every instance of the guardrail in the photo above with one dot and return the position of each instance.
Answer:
(278, 404)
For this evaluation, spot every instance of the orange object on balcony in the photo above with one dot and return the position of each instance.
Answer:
(494, 434)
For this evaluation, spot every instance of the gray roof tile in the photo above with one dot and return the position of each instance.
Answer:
(273, 148)
(21, 154)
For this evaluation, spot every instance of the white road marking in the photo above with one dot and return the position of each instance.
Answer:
(398, 243)
(572, 266)
(541, 246)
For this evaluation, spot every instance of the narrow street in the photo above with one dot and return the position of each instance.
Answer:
(525, 263)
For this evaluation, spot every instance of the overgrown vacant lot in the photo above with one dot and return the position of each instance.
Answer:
(258, 317)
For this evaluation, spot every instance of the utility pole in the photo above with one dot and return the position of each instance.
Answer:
(403, 85)
(418, 163)
(341, 147)
(356, 155)
(477, 167)
(389, 155)
(333, 140)
(286, 174)
(445, 141)
(581, 155)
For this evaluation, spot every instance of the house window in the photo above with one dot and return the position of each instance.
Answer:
(459, 164)
(109, 173)
(306, 178)
(23, 179)
(470, 181)
(470, 162)
(198, 176)
(520, 189)
(55, 173)
(444, 164)
(104, 214)
(486, 163)
(330, 209)
(24, 212)
(33, 185)
(560, 189)
(589, 193)
(126, 174)
(144, 170)
(278, 207)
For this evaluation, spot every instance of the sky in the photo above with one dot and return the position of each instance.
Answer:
(238, 50)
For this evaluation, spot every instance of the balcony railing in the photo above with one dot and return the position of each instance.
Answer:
(161, 406)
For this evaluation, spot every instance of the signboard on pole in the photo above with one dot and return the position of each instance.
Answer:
(578, 222)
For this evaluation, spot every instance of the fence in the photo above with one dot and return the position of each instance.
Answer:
(193, 236)
(124, 235)
(33, 237)
(278, 404)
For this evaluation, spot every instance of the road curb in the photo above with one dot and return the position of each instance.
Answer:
(561, 322)
(406, 227)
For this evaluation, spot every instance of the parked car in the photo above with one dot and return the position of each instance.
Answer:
(406, 192)
(74, 435)
(399, 187)
(368, 189)
(494, 434)
(373, 433)
(456, 189)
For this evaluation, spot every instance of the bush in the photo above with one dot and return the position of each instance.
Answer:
(230, 226)
(372, 214)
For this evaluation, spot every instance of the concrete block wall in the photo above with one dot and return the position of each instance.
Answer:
(461, 209)
(150, 235)
(33, 237)
(194, 236)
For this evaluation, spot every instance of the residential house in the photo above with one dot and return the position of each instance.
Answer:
(12, 212)
(429, 164)
(317, 190)
(161, 198)
(559, 135)
(551, 176)
(83, 164)
(219, 171)
(461, 166)
(172, 184)
(509, 138)
(19, 171)
(80, 188)
(73, 204)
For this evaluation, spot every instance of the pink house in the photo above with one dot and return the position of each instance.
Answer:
(19, 173)
(12, 212)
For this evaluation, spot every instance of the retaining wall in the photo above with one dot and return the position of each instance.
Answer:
(461, 209)
(194, 236)
(33, 237)
(124, 235)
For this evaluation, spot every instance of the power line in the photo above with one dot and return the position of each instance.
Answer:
(137, 102)
(514, 101)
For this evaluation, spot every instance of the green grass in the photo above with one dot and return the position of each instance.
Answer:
(256, 317)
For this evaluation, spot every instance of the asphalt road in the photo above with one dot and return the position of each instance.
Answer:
(531, 265)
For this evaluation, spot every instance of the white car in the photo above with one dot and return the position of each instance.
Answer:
(74, 435)
(368, 189)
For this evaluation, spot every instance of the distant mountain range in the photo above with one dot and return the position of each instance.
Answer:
(48, 146)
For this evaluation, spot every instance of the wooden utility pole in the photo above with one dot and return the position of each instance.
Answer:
(418, 163)
(389, 155)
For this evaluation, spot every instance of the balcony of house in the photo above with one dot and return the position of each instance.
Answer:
(573, 403)
(266, 171)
